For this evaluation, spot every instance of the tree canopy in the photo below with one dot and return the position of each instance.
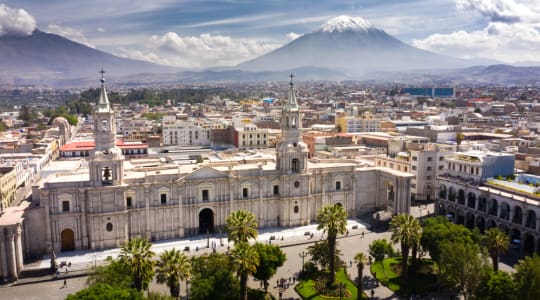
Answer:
(527, 277)
(271, 257)
(105, 291)
(213, 278)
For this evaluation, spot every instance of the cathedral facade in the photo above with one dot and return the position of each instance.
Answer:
(115, 199)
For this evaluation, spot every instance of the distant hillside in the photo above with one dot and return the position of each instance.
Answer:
(44, 56)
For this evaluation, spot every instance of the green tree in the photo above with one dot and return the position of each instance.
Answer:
(271, 257)
(105, 291)
(172, 267)
(497, 243)
(379, 249)
(438, 229)
(527, 277)
(114, 273)
(361, 261)
(137, 256)
(406, 231)
(332, 219)
(242, 226)
(213, 278)
(320, 255)
(497, 286)
(246, 259)
(463, 266)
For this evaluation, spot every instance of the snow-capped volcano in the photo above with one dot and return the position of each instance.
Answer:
(344, 23)
(353, 46)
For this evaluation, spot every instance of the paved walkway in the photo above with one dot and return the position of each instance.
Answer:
(293, 241)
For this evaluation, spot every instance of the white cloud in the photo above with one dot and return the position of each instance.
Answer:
(507, 11)
(201, 51)
(15, 21)
(100, 29)
(512, 35)
(70, 33)
(291, 36)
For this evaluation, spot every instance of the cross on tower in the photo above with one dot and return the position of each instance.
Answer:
(292, 76)
(102, 75)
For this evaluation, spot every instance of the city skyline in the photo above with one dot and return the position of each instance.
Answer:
(202, 34)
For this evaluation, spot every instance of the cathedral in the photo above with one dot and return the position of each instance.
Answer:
(115, 199)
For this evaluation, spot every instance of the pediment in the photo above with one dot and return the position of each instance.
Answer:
(205, 173)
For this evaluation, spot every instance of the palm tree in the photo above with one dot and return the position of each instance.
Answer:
(137, 256)
(332, 219)
(172, 267)
(246, 260)
(242, 226)
(361, 260)
(406, 231)
(496, 243)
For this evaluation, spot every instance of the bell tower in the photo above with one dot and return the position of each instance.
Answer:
(291, 152)
(106, 162)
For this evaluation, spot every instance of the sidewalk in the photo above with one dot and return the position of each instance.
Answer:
(83, 260)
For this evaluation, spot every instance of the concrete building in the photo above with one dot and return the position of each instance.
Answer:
(481, 190)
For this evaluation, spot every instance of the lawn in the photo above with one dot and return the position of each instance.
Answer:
(306, 288)
(423, 281)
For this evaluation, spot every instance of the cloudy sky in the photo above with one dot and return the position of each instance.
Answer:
(202, 33)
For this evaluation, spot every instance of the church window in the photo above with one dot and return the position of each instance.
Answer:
(295, 165)
(129, 202)
(65, 206)
(293, 124)
(296, 209)
(296, 184)
(163, 198)
(338, 185)
(245, 192)
(276, 189)
(109, 227)
(205, 195)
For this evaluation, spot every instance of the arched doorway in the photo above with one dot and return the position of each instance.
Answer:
(481, 224)
(206, 221)
(528, 246)
(68, 240)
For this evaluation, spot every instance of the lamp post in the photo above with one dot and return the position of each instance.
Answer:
(302, 255)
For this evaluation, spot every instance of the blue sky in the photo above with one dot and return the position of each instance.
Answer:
(201, 33)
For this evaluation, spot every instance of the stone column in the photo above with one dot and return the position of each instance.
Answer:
(12, 254)
(19, 248)
(180, 214)
(3, 254)
(260, 208)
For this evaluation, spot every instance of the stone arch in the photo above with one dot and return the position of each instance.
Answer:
(460, 217)
(206, 220)
(481, 223)
(482, 203)
(295, 165)
(442, 191)
(452, 194)
(471, 200)
(515, 234)
(441, 209)
(469, 220)
(517, 217)
(491, 224)
(461, 197)
(528, 243)
(493, 207)
(67, 237)
(504, 228)
(505, 211)
(531, 219)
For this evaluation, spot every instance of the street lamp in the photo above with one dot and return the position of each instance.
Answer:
(302, 255)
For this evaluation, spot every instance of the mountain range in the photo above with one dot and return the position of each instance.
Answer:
(343, 48)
